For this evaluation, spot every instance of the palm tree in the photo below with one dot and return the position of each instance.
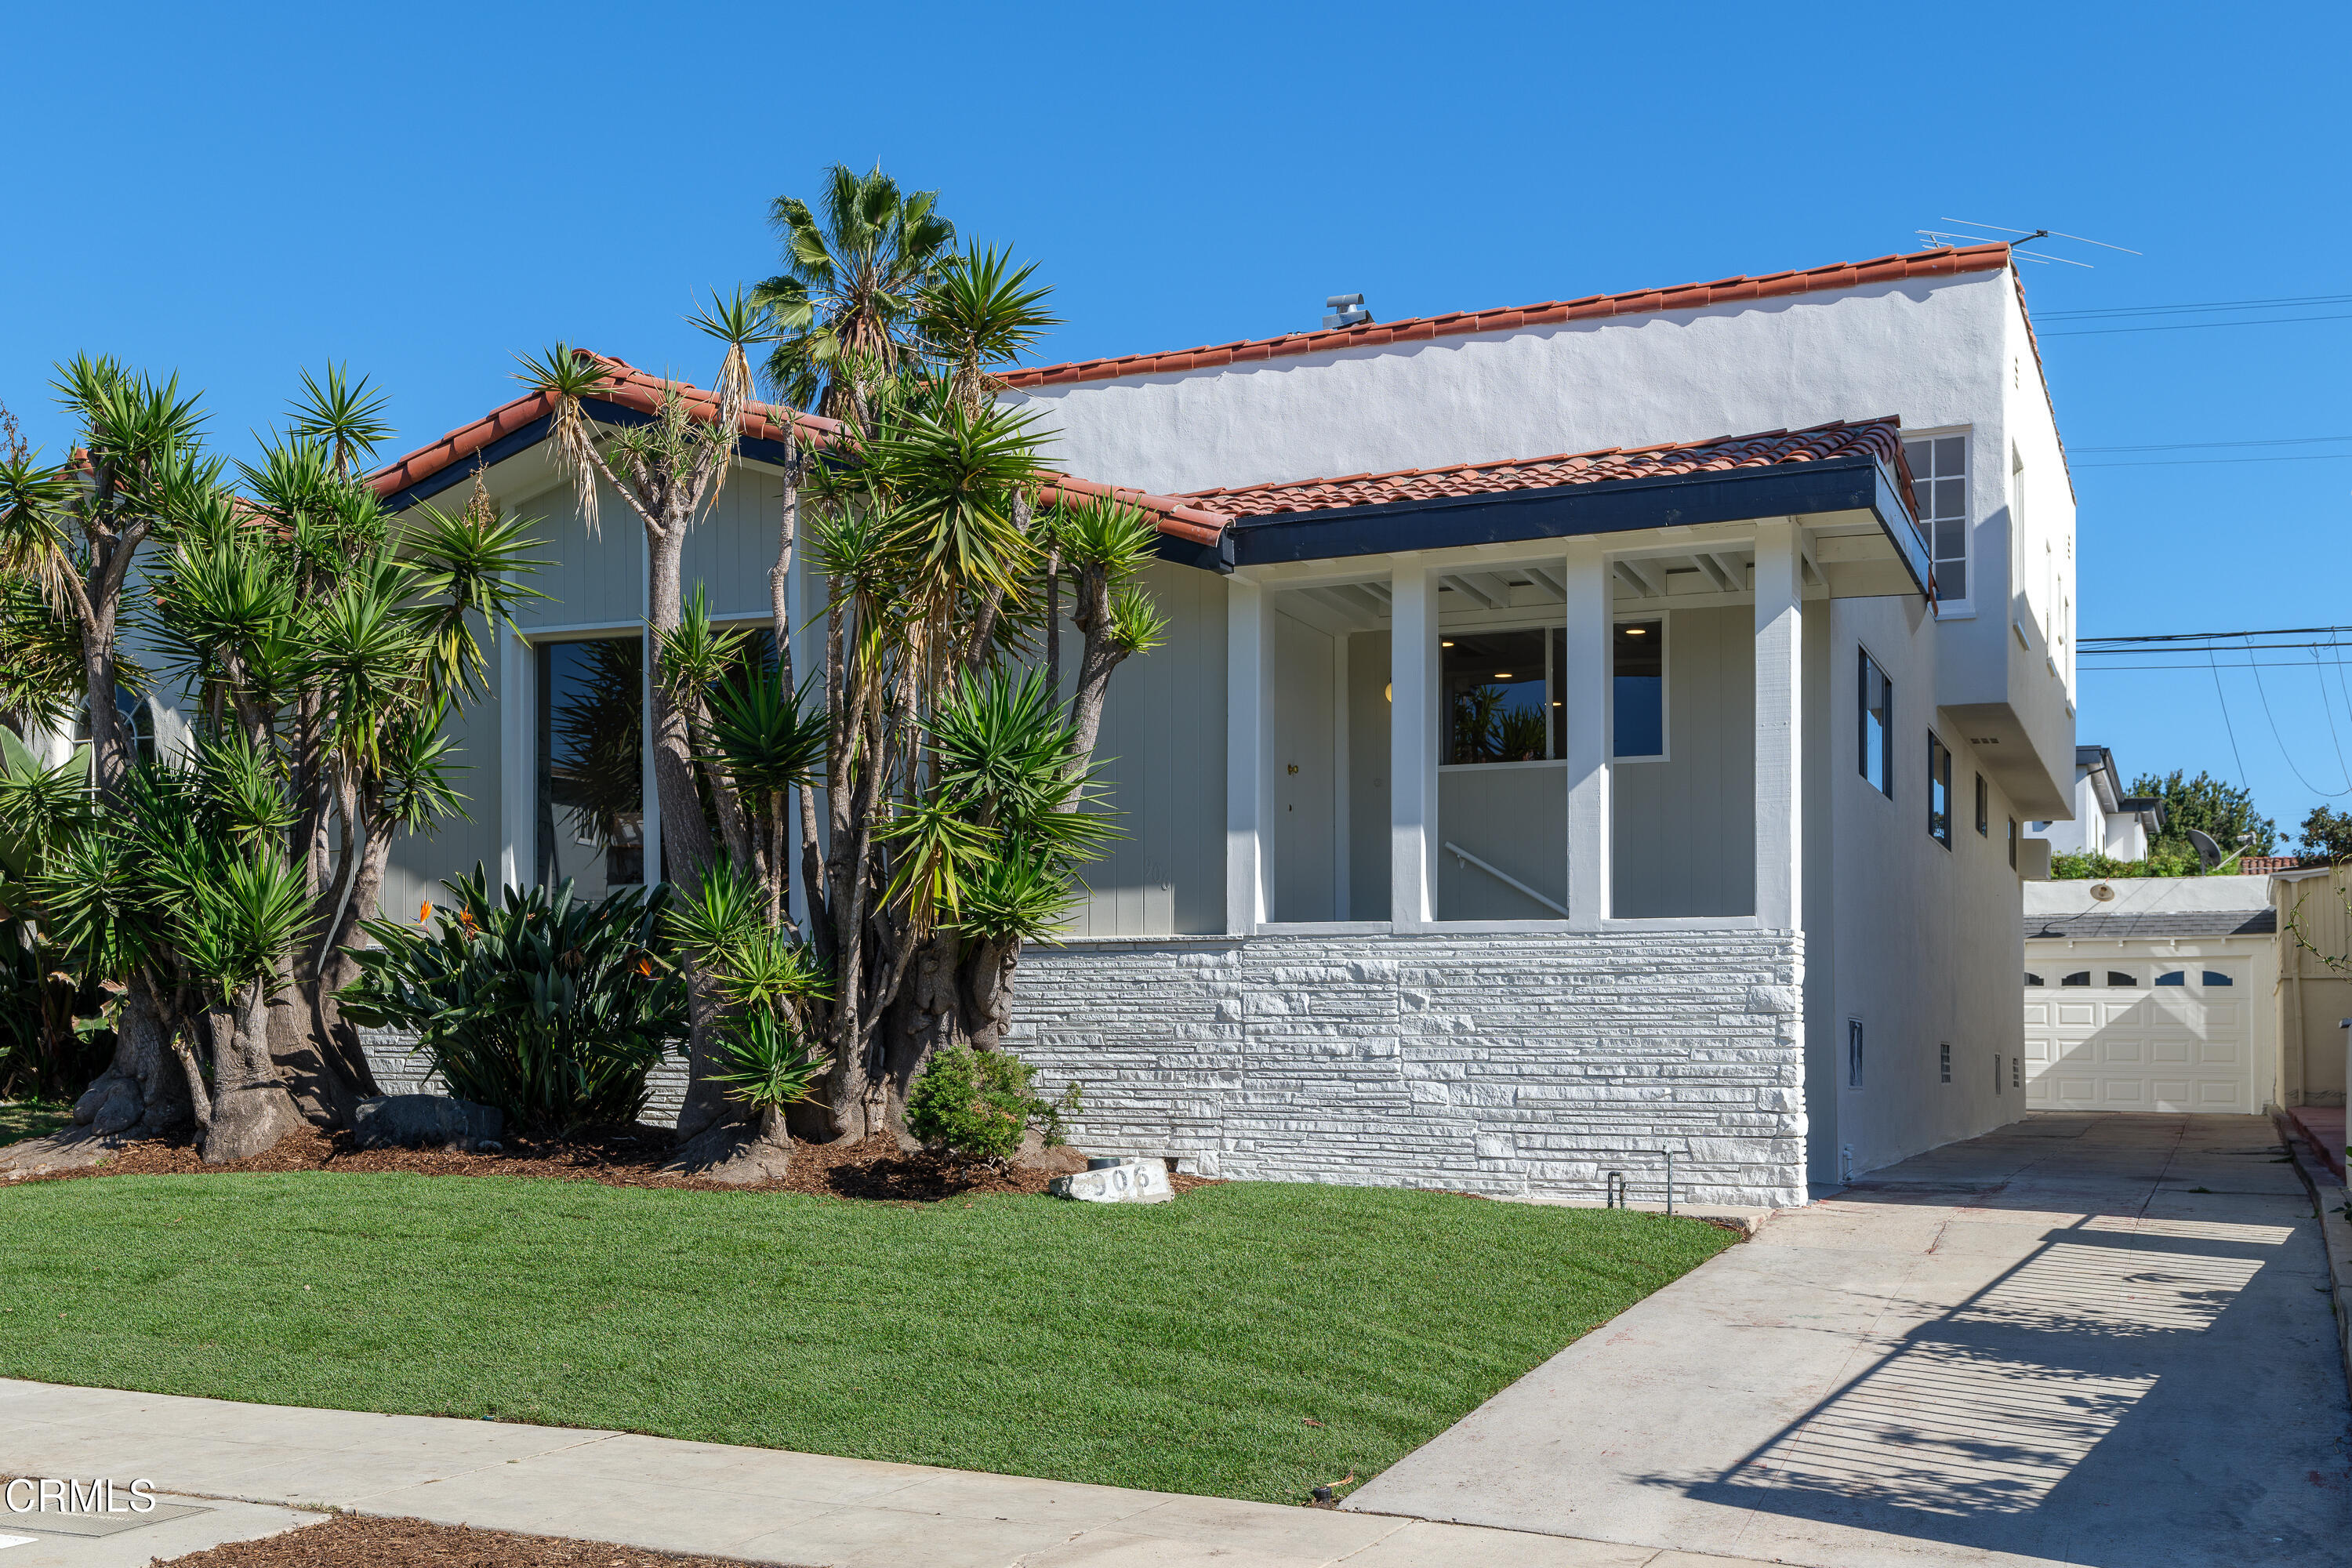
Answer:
(851, 284)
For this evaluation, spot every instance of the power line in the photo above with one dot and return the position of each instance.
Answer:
(2201, 445)
(2209, 637)
(2196, 326)
(2119, 310)
(2226, 725)
(2205, 462)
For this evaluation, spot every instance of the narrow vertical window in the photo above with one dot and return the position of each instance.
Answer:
(1996, 1075)
(1984, 808)
(1939, 791)
(2012, 843)
(590, 817)
(1940, 483)
(1944, 1062)
(1875, 725)
(1637, 691)
(2016, 1073)
(1853, 1053)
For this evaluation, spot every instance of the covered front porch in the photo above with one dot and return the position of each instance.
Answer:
(1562, 706)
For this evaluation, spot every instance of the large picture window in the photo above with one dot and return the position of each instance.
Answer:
(1940, 483)
(1875, 706)
(592, 820)
(1638, 690)
(1502, 696)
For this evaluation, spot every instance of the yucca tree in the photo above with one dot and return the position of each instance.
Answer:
(304, 623)
(70, 531)
(181, 890)
(856, 268)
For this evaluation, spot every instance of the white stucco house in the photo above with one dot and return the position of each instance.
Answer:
(2106, 821)
(1586, 731)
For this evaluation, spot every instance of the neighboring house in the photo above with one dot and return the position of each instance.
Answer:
(2151, 994)
(2106, 821)
(1495, 820)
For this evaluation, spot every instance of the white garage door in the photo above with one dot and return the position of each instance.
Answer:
(2115, 1033)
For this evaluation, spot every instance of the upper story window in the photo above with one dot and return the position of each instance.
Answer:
(1875, 713)
(1939, 791)
(1940, 483)
(1984, 808)
(1503, 696)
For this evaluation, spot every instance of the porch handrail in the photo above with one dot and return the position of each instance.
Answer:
(1504, 877)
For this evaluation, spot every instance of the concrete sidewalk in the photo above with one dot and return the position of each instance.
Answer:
(2081, 1340)
(759, 1504)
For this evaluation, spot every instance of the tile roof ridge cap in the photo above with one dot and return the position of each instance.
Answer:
(1022, 375)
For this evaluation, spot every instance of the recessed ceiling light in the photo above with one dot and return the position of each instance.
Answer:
(1442, 642)
(1637, 631)
(1502, 675)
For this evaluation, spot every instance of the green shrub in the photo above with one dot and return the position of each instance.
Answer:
(978, 1105)
(550, 1007)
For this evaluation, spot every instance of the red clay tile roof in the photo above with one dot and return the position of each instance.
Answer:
(1880, 438)
(1944, 262)
(630, 387)
(633, 388)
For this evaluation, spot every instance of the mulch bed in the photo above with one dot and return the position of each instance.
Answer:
(874, 1168)
(349, 1541)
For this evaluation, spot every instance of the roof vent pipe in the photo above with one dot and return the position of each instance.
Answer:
(1347, 310)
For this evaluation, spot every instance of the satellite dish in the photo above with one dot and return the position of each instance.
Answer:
(2207, 850)
(2101, 893)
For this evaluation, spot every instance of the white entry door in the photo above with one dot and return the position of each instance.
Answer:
(2136, 1034)
(1301, 754)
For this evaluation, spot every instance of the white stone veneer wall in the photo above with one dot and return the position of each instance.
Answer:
(1523, 1065)
(400, 1071)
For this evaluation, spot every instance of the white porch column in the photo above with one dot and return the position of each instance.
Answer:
(1413, 744)
(1779, 688)
(1584, 684)
(1246, 705)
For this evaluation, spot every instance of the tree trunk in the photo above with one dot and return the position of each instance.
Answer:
(706, 1104)
(310, 1079)
(741, 1153)
(142, 1093)
(251, 1111)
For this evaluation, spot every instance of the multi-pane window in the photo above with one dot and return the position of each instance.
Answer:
(1939, 484)
(1874, 715)
(1984, 808)
(1502, 696)
(1939, 791)
(1638, 690)
(1944, 1062)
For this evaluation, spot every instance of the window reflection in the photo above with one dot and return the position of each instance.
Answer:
(1499, 689)
(590, 763)
(1638, 690)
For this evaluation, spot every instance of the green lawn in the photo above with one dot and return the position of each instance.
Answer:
(1185, 1348)
(21, 1119)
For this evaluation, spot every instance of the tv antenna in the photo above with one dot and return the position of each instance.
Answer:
(1948, 237)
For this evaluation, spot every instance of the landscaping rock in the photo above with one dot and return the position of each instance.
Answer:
(1116, 1181)
(423, 1122)
(1054, 1159)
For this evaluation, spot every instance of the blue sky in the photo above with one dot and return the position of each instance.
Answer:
(237, 192)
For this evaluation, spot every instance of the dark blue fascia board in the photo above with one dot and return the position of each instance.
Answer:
(1857, 483)
(1217, 557)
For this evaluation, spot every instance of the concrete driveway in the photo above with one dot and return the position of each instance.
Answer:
(2082, 1339)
